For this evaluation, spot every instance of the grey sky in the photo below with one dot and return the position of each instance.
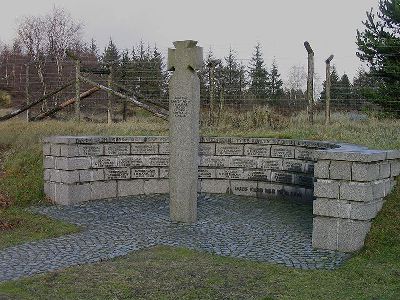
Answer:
(280, 26)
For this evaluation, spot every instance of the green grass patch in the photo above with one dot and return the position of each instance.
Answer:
(29, 227)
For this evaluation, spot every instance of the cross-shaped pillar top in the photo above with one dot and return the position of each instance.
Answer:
(185, 55)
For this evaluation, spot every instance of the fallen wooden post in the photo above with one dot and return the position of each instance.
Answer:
(65, 104)
(156, 111)
(26, 107)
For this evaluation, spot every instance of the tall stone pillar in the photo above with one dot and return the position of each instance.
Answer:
(184, 111)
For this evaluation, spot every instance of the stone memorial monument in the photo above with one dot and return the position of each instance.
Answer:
(184, 108)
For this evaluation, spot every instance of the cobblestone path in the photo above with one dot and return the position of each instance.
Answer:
(276, 231)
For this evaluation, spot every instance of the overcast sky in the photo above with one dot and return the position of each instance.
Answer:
(280, 26)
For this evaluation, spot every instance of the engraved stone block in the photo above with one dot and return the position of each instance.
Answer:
(90, 150)
(230, 174)
(214, 161)
(268, 190)
(282, 151)
(258, 175)
(119, 173)
(146, 148)
(280, 177)
(243, 162)
(257, 150)
(156, 161)
(303, 153)
(293, 165)
(117, 149)
(205, 173)
(229, 149)
(270, 163)
(244, 188)
(130, 161)
(104, 162)
(145, 173)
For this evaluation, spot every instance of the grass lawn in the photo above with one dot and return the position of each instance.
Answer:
(170, 273)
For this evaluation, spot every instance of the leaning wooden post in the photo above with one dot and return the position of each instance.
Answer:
(328, 91)
(310, 82)
(27, 91)
(184, 119)
(109, 106)
(77, 90)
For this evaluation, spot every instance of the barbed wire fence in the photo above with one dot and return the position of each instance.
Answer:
(28, 81)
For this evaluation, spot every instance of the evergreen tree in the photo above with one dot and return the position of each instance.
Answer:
(158, 75)
(335, 86)
(379, 46)
(111, 55)
(276, 83)
(345, 87)
(233, 79)
(259, 77)
(124, 70)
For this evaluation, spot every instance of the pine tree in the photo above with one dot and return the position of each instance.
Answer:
(344, 87)
(111, 55)
(158, 75)
(335, 86)
(233, 79)
(276, 83)
(379, 47)
(259, 76)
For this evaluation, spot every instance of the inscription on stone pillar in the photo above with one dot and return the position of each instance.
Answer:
(184, 107)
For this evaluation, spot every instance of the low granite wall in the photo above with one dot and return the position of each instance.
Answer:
(348, 184)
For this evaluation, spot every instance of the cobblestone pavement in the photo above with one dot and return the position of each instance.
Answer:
(275, 231)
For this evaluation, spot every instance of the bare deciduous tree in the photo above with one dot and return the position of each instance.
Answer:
(297, 79)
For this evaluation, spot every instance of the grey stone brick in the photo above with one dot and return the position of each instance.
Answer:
(356, 191)
(304, 153)
(332, 208)
(358, 154)
(163, 148)
(214, 186)
(164, 172)
(91, 175)
(49, 162)
(230, 174)
(90, 150)
(324, 188)
(214, 161)
(365, 211)
(243, 162)
(67, 194)
(395, 168)
(49, 190)
(144, 173)
(73, 163)
(108, 162)
(156, 160)
(325, 233)
(365, 172)
(393, 154)
(379, 189)
(55, 150)
(321, 169)
(293, 165)
(125, 161)
(46, 174)
(156, 186)
(130, 187)
(69, 150)
(104, 189)
(207, 173)
(207, 149)
(384, 170)
(351, 234)
(340, 170)
(46, 149)
(68, 177)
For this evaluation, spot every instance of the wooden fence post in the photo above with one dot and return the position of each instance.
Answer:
(77, 90)
(310, 82)
(109, 106)
(328, 91)
(27, 91)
